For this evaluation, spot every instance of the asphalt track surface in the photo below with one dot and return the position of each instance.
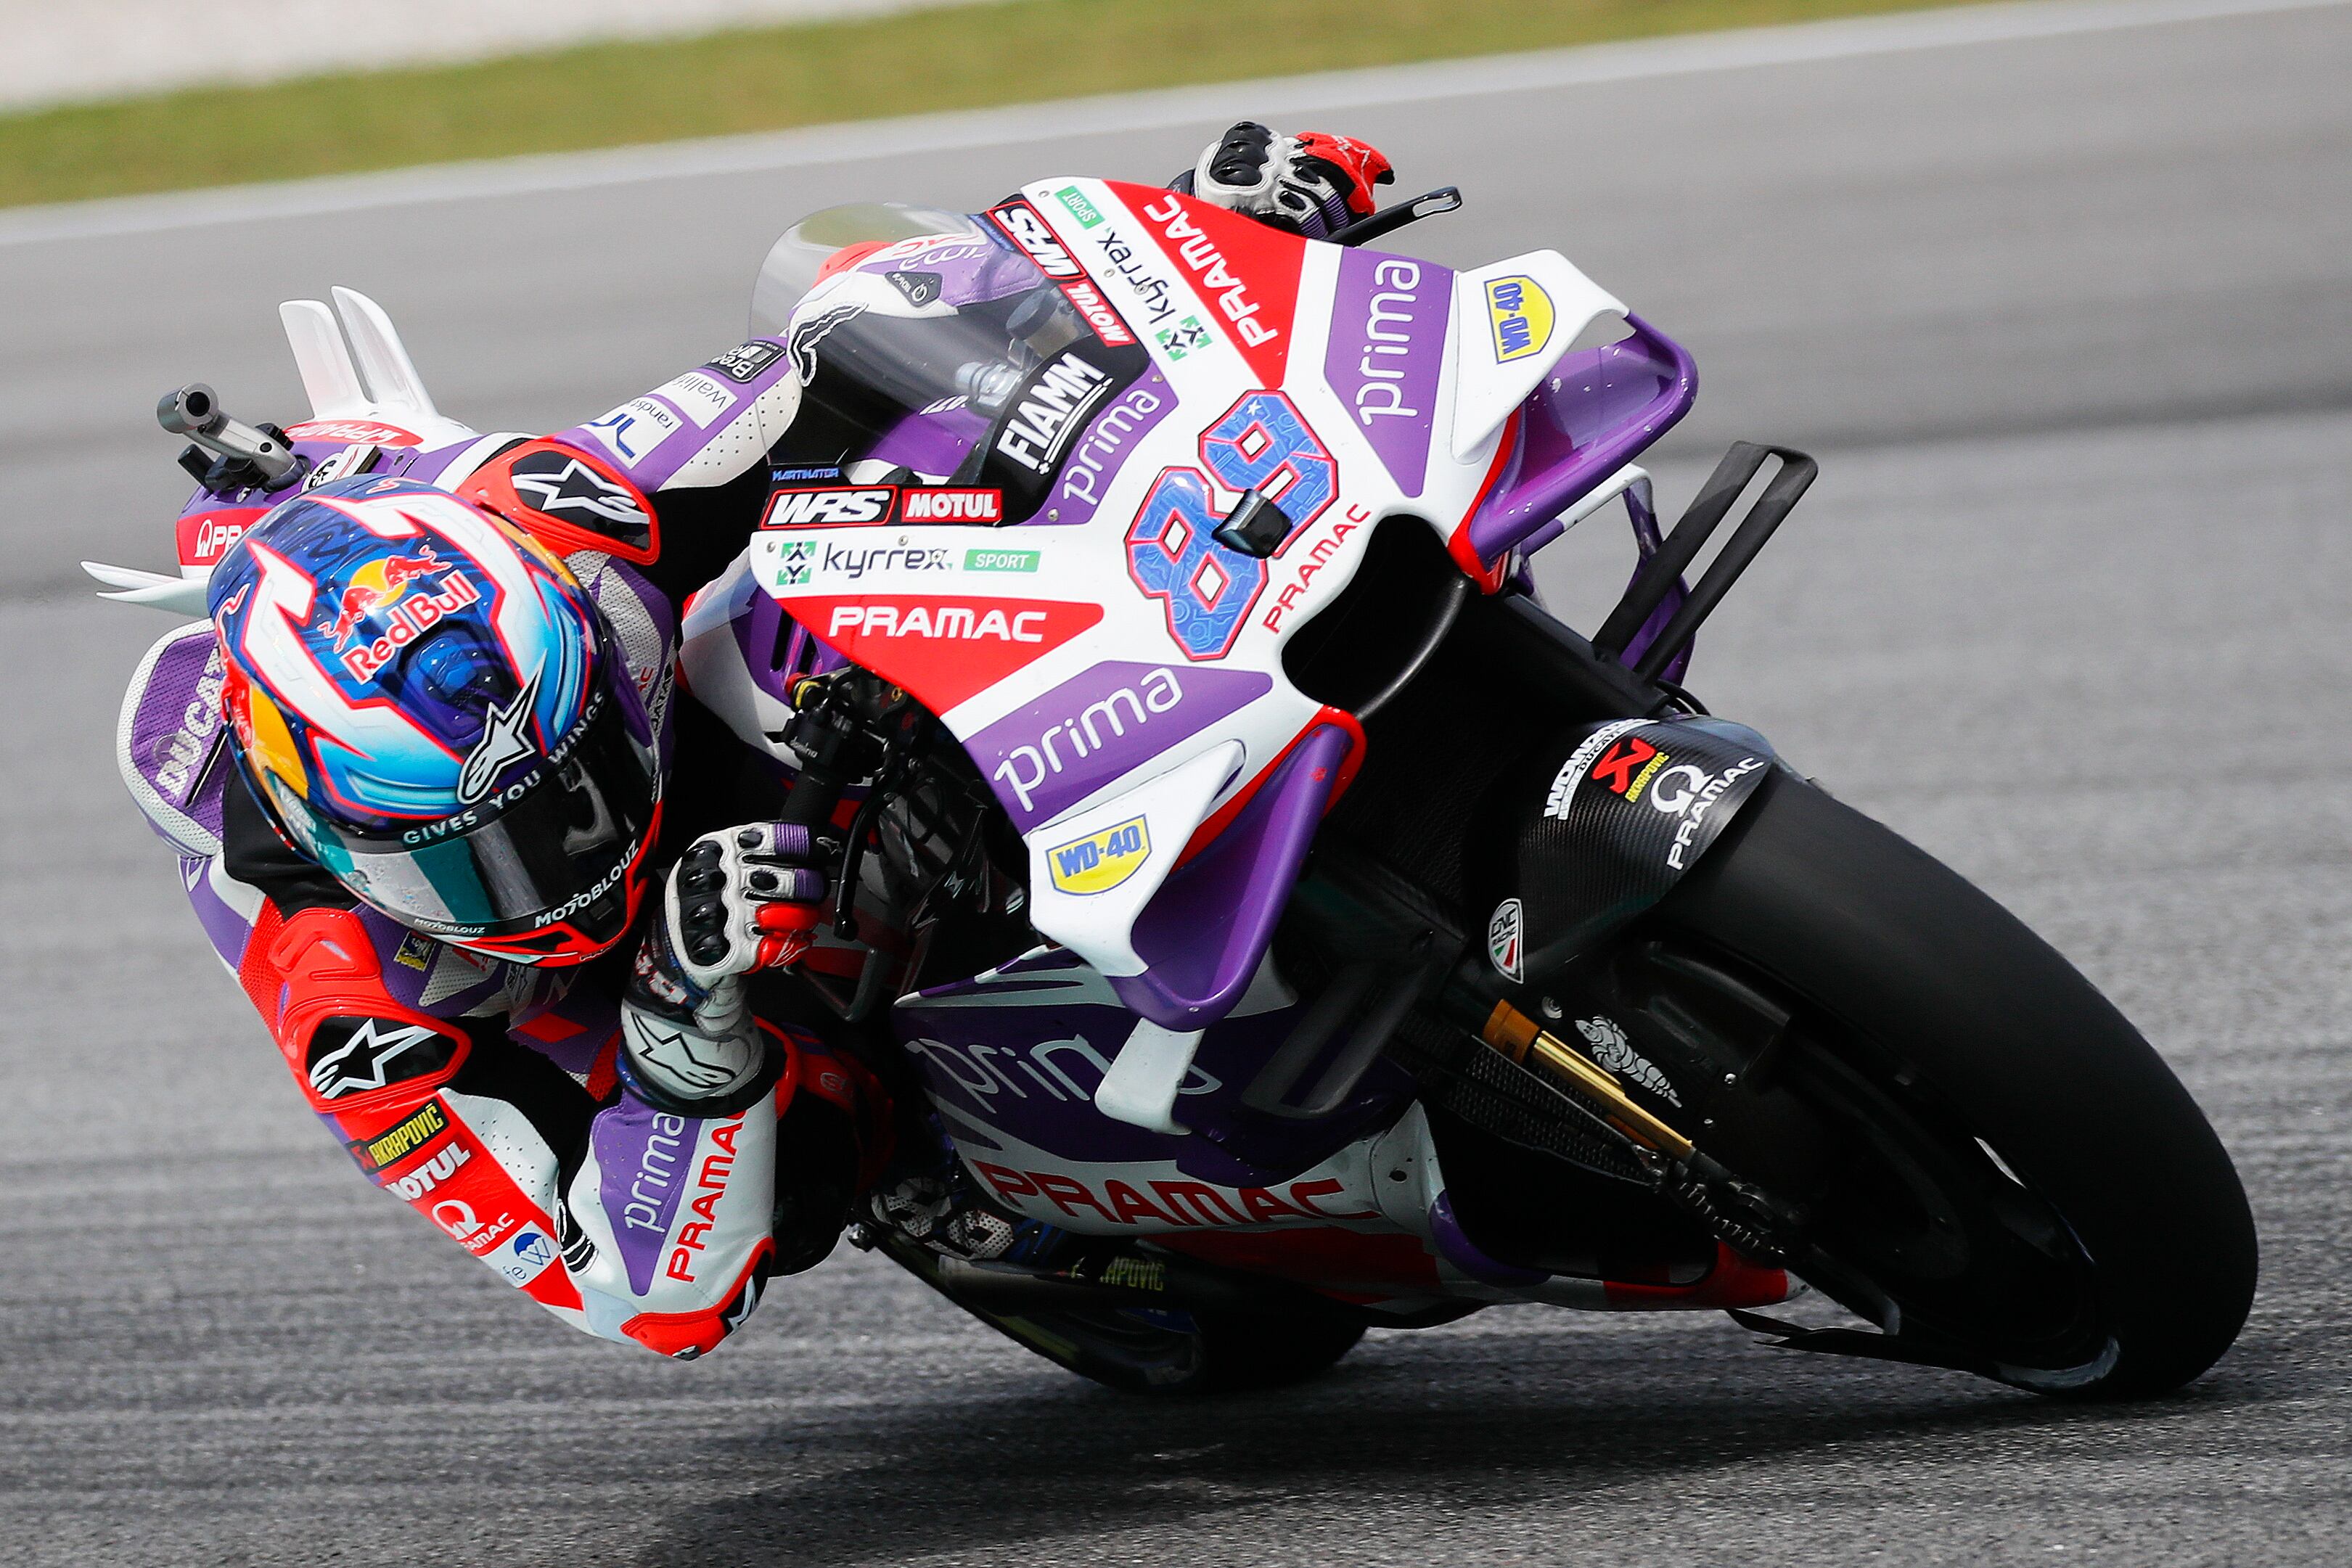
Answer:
(2067, 320)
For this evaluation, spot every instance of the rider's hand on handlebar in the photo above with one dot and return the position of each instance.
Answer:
(737, 901)
(1313, 183)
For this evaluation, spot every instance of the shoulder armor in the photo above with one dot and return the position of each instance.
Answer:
(171, 745)
(567, 500)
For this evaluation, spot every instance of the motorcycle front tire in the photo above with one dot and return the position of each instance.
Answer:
(1919, 994)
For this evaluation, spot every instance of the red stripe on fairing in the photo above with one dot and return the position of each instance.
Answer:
(1734, 1282)
(1221, 818)
(1489, 578)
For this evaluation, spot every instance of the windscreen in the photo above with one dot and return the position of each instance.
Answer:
(947, 360)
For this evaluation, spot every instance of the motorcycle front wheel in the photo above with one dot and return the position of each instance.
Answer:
(1983, 1157)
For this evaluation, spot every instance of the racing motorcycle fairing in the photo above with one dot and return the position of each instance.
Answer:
(1178, 360)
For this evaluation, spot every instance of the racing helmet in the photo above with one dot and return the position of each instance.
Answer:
(430, 707)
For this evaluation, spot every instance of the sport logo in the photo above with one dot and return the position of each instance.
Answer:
(505, 740)
(1020, 219)
(1520, 314)
(1089, 216)
(1101, 861)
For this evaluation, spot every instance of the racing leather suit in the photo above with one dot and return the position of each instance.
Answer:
(490, 1095)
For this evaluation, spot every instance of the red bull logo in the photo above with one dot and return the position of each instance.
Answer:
(398, 599)
(379, 585)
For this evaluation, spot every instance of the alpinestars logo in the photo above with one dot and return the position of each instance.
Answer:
(363, 1060)
(505, 741)
(578, 491)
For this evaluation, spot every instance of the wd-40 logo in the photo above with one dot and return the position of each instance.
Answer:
(1101, 861)
(1520, 313)
(1020, 219)
(863, 505)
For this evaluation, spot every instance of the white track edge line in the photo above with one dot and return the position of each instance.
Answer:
(1211, 105)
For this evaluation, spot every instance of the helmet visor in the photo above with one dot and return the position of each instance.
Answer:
(553, 850)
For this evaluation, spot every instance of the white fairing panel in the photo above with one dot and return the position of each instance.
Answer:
(1110, 717)
(1513, 320)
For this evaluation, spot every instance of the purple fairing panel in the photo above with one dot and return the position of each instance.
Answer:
(1020, 1055)
(931, 441)
(1094, 728)
(1205, 931)
(1455, 1246)
(1612, 401)
(642, 1156)
(174, 747)
(1096, 457)
(1388, 321)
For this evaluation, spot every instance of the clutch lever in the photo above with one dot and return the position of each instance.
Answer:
(1444, 199)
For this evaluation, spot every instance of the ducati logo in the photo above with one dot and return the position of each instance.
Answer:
(1506, 940)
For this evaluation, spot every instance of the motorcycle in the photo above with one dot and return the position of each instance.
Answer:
(1285, 925)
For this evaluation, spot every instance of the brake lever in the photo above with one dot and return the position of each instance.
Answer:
(1444, 199)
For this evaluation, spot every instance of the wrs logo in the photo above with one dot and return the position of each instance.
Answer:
(1101, 861)
(1020, 219)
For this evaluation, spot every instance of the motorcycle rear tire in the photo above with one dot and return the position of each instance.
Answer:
(1923, 982)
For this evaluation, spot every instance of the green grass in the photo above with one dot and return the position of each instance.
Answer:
(610, 94)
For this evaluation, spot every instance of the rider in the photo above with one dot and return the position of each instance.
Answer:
(448, 871)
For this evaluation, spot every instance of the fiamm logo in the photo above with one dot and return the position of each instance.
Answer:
(1101, 861)
(1520, 313)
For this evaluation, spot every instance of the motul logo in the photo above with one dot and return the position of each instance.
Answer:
(950, 506)
(1020, 219)
(829, 507)
(957, 621)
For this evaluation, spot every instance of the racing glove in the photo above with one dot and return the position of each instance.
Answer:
(736, 902)
(1313, 185)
